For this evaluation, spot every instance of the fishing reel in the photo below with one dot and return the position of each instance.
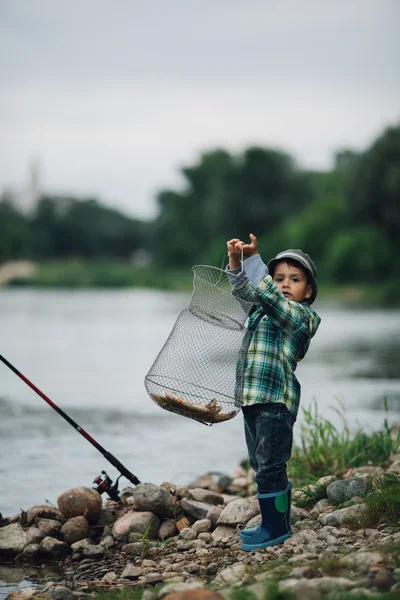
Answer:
(104, 484)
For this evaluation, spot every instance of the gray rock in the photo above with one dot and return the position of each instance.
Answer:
(109, 577)
(107, 517)
(202, 526)
(207, 496)
(339, 517)
(32, 552)
(298, 514)
(48, 526)
(167, 530)
(80, 545)
(231, 575)
(345, 489)
(213, 515)
(92, 551)
(192, 568)
(133, 549)
(363, 559)
(151, 498)
(131, 572)
(34, 535)
(136, 523)
(13, 540)
(238, 512)
(197, 510)
(223, 532)
(188, 534)
(54, 548)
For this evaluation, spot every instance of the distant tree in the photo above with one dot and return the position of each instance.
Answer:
(373, 192)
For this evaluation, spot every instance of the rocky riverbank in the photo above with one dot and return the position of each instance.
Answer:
(176, 542)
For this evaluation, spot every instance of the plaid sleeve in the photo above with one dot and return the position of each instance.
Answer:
(290, 316)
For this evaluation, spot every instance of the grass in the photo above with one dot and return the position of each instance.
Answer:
(382, 503)
(328, 450)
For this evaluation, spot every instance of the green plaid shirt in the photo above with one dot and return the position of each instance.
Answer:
(280, 331)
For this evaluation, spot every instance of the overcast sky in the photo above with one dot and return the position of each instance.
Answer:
(114, 97)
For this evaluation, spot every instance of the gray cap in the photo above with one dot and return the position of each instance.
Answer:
(304, 260)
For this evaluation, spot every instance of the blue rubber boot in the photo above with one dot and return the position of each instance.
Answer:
(274, 528)
(249, 531)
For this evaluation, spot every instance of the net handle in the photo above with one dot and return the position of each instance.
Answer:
(223, 266)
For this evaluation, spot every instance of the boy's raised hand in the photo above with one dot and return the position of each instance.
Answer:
(252, 248)
(236, 246)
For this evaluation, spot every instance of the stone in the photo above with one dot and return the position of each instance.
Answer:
(345, 489)
(322, 506)
(182, 523)
(136, 523)
(34, 535)
(188, 534)
(231, 575)
(202, 526)
(207, 496)
(223, 532)
(107, 517)
(31, 553)
(298, 514)
(167, 530)
(204, 481)
(363, 559)
(43, 511)
(364, 470)
(151, 498)
(75, 529)
(54, 548)
(133, 549)
(339, 517)
(80, 545)
(196, 510)
(238, 512)
(48, 526)
(92, 551)
(13, 540)
(109, 577)
(80, 501)
(213, 515)
(131, 572)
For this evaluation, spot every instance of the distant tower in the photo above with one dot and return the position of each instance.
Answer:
(30, 194)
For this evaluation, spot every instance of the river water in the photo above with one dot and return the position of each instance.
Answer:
(89, 352)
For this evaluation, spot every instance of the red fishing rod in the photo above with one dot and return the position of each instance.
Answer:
(104, 483)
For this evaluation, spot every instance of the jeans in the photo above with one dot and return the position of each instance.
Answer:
(268, 429)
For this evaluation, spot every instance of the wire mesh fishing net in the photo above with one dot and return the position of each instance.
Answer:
(198, 373)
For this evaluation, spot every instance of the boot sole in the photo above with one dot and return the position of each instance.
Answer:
(247, 536)
(275, 542)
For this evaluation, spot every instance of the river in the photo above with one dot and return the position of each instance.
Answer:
(89, 352)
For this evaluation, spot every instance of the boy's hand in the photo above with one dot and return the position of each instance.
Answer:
(252, 248)
(236, 247)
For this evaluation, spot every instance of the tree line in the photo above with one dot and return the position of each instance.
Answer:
(347, 218)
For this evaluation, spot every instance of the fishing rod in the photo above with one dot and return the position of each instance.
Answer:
(103, 481)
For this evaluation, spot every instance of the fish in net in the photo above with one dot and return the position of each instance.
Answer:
(198, 373)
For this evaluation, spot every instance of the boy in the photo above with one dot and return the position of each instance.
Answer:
(282, 324)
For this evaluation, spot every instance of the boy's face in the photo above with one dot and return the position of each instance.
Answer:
(292, 282)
